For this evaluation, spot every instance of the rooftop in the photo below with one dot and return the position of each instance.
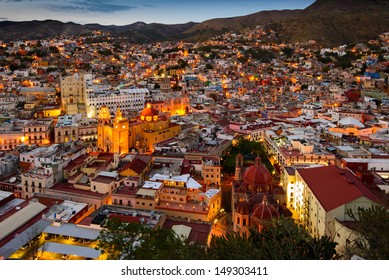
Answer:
(344, 187)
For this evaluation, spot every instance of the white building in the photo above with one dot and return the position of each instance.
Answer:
(125, 99)
(321, 198)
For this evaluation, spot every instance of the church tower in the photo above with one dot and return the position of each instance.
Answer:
(104, 133)
(239, 168)
(120, 131)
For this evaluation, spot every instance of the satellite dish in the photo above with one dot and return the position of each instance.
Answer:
(12, 180)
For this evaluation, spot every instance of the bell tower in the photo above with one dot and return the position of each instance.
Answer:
(103, 129)
(120, 133)
(239, 168)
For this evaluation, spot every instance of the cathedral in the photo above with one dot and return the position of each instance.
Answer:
(253, 197)
(119, 134)
(112, 135)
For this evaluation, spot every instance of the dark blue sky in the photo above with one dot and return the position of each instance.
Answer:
(121, 12)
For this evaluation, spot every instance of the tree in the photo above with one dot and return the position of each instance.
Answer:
(372, 239)
(279, 240)
(135, 241)
(119, 240)
(233, 246)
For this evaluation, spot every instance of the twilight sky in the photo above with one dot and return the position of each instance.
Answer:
(122, 12)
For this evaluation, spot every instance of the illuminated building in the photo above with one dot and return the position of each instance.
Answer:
(174, 104)
(246, 216)
(73, 91)
(73, 127)
(181, 197)
(290, 152)
(211, 171)
(155, 128)
(11, 135)
(113, 135)
(125, 99)
(118, 135)
(39, 132)
(323, 196)
(253, 194)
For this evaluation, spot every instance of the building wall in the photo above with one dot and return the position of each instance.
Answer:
(126, 99)
(9, 141)
(120, 133)
(211, 174)
(33, 183)
(102, 187)
(344, 236)
(120, 199)
(39, 132)
(288, 184)
(72, 90)
(153, 137)
(173, 213)
(147, 203)
(65, 134)
(96, 201)
(314, 217)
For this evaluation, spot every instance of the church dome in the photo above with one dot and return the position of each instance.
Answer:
(264, 211)
(257, 175)
(149, 113)
(243, 208)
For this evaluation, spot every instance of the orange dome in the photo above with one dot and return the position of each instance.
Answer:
(257, 175)
(149, 111)
(265, 211)
(243, 208)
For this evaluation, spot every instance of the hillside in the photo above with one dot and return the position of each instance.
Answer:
(329, 22)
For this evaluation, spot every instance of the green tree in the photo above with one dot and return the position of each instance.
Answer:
(279, 240)
(120, 240)
(372, 239)
(134, 241)
(233, 246)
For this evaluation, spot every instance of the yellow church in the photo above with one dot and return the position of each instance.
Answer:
(119, 135)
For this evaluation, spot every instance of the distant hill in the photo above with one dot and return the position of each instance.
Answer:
(329, 22)
(11, 30)
(138, 32)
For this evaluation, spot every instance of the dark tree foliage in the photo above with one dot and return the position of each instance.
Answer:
(249, 149)
(372, 241)
(288, 52)
(280, 240)
(134, 241)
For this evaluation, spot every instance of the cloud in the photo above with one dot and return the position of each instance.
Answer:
(150, 6)
(3, 18)
(93, 6)
(16, 1)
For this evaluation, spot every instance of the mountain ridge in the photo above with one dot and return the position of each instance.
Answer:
(329, 22)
